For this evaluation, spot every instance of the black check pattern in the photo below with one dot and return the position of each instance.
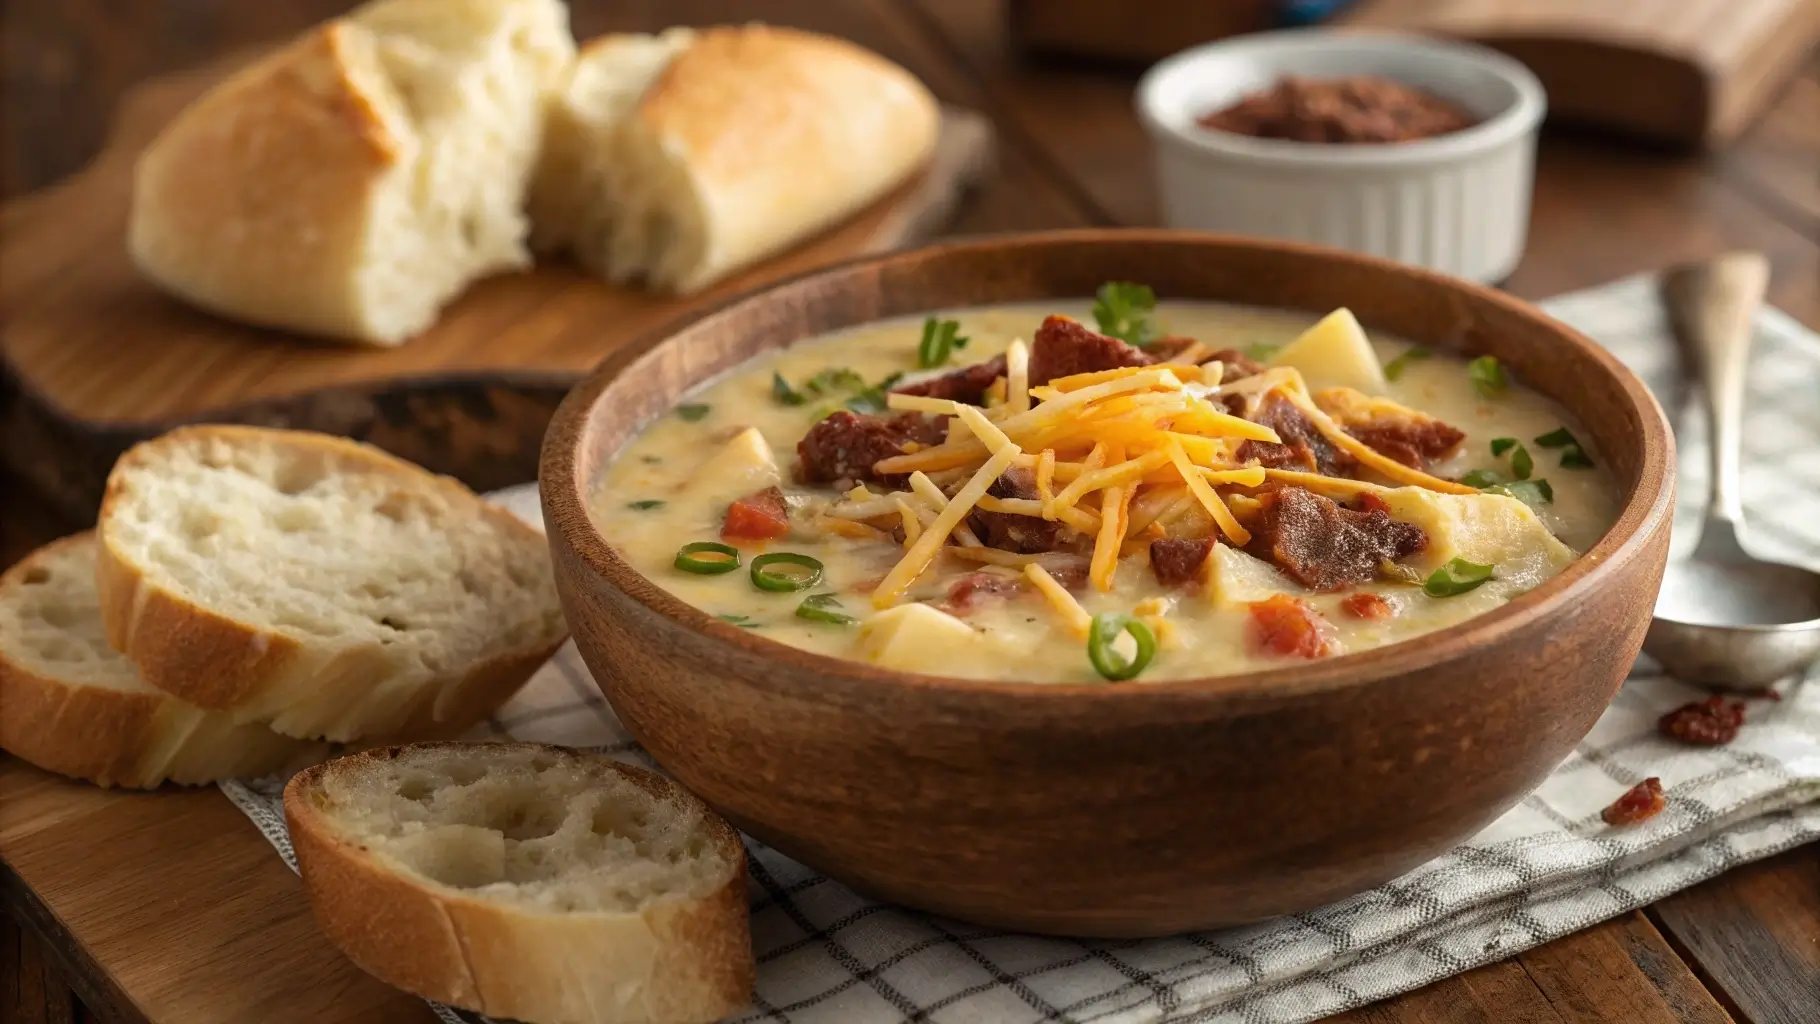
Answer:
(1546, 868)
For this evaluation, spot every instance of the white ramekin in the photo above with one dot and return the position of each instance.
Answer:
(1457, 203)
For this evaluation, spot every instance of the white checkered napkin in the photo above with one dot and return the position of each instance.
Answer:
(1547, 868)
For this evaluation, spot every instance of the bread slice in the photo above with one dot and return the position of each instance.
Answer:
(526, 881)
(319, 585)
(349, 184)
(70, 705)
(678, 159)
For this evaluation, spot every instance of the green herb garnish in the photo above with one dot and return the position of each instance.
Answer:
(1263, 351)
(1415, 354)
(1500, 445)
(1573, 454)
(707, 558)
(824, 608)
(875, 398)
(940, 339)
(646, 505)
(1124, 310)
(1487, 375)
(693, 411)
(837, 378)
(1482, 478)
(1533, 493)
(1105, 632)
(1456, 578)
(742, 621)
(784, 393)
(1396, 572)
(650, 460)
(1521, 465)
(802, 573)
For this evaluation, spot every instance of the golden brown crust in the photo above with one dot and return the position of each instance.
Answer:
(253, 202)
(109, 736)
(218, 662)
(678, 961)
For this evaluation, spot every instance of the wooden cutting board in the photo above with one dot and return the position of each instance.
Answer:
(94, 358)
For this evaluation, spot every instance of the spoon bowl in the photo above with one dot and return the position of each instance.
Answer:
(1724, 617)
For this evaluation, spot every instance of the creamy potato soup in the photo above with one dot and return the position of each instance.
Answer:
(1066, 492)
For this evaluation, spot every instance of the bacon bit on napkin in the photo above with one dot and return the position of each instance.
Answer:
(1641, 801)
(1707, 723)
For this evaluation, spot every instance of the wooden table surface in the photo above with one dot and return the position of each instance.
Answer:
(1743, 947)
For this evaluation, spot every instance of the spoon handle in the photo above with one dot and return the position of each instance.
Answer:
(1711, 306)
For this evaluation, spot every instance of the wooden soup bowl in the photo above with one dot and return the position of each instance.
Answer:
(1129, 809)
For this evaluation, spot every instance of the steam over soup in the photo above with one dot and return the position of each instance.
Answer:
(1189, 490)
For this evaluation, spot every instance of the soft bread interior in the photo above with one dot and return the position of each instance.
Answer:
(527, 828)
(393, 580)
(463, 84)
(50, 622)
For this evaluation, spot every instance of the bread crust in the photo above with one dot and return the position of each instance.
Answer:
(218, 662)
(784, 133)
(676, 961)
(253, 202)
(123, 738)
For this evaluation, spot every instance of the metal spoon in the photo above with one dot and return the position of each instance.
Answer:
(1725, 618)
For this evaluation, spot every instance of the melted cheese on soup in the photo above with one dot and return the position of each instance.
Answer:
(1290, 550)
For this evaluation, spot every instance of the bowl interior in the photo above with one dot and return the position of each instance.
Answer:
(1627, 430)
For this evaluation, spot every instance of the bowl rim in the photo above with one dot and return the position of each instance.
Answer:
(1648, 508)
(1522, 117)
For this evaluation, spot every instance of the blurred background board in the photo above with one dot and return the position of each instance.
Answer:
(93, 357)
(1683, 72)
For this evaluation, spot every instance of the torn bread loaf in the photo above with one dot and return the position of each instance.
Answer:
(71, 705)
(679, 158)
(528, 882)
(319, 585)
(351, 183)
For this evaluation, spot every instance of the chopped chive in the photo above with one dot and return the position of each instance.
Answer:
(1560, 437)
(693, 557)
(1487, 375)
(1500, 445)
(824, 608)
(645, 505)
(1521, 464)
(938, 342)
(1393, 370)
(1573, 453)
(1124, 310)
(1530, 492)
(1575, 457)
(693, 411)
(875, 398)
(1110, 663)
(1455, 578)
(782, 392)
(803, 572)
(742, 621)
(1482, 478)
(837, 378)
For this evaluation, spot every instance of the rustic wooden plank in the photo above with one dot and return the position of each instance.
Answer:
(1500, 993)
(1624, 970)
(1778, 160)
(32, 990)
(1755, 934)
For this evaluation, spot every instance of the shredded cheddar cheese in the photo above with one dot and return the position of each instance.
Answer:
(1017, 377)
(1058, 597)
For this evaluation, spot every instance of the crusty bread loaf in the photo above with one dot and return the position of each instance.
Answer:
(349, 184)
(526, 881)
(319, 585)
(70, 704)
(677, 159)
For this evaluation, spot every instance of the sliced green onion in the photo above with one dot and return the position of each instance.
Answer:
(742, 621)
(823, 608)
(1394, 369)
(1530, 492)
(1560, 437)
(1521, 464)
(1110, 663)
(938, 342)
(1500, 445)
(689, 558)
(835, 378)
(1123, 310)
(1482, 478)
(1575, 457)
(1456, 578)
(875, 398)
(782, 392)
(646, 505)
(1397, 572)
(764, 579)
(693, 411)
(1487, 375)
(1573, 453)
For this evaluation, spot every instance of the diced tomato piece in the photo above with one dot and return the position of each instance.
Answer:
(760, 516)
(1286, 625)
(1640, 802)
(1364, 605)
